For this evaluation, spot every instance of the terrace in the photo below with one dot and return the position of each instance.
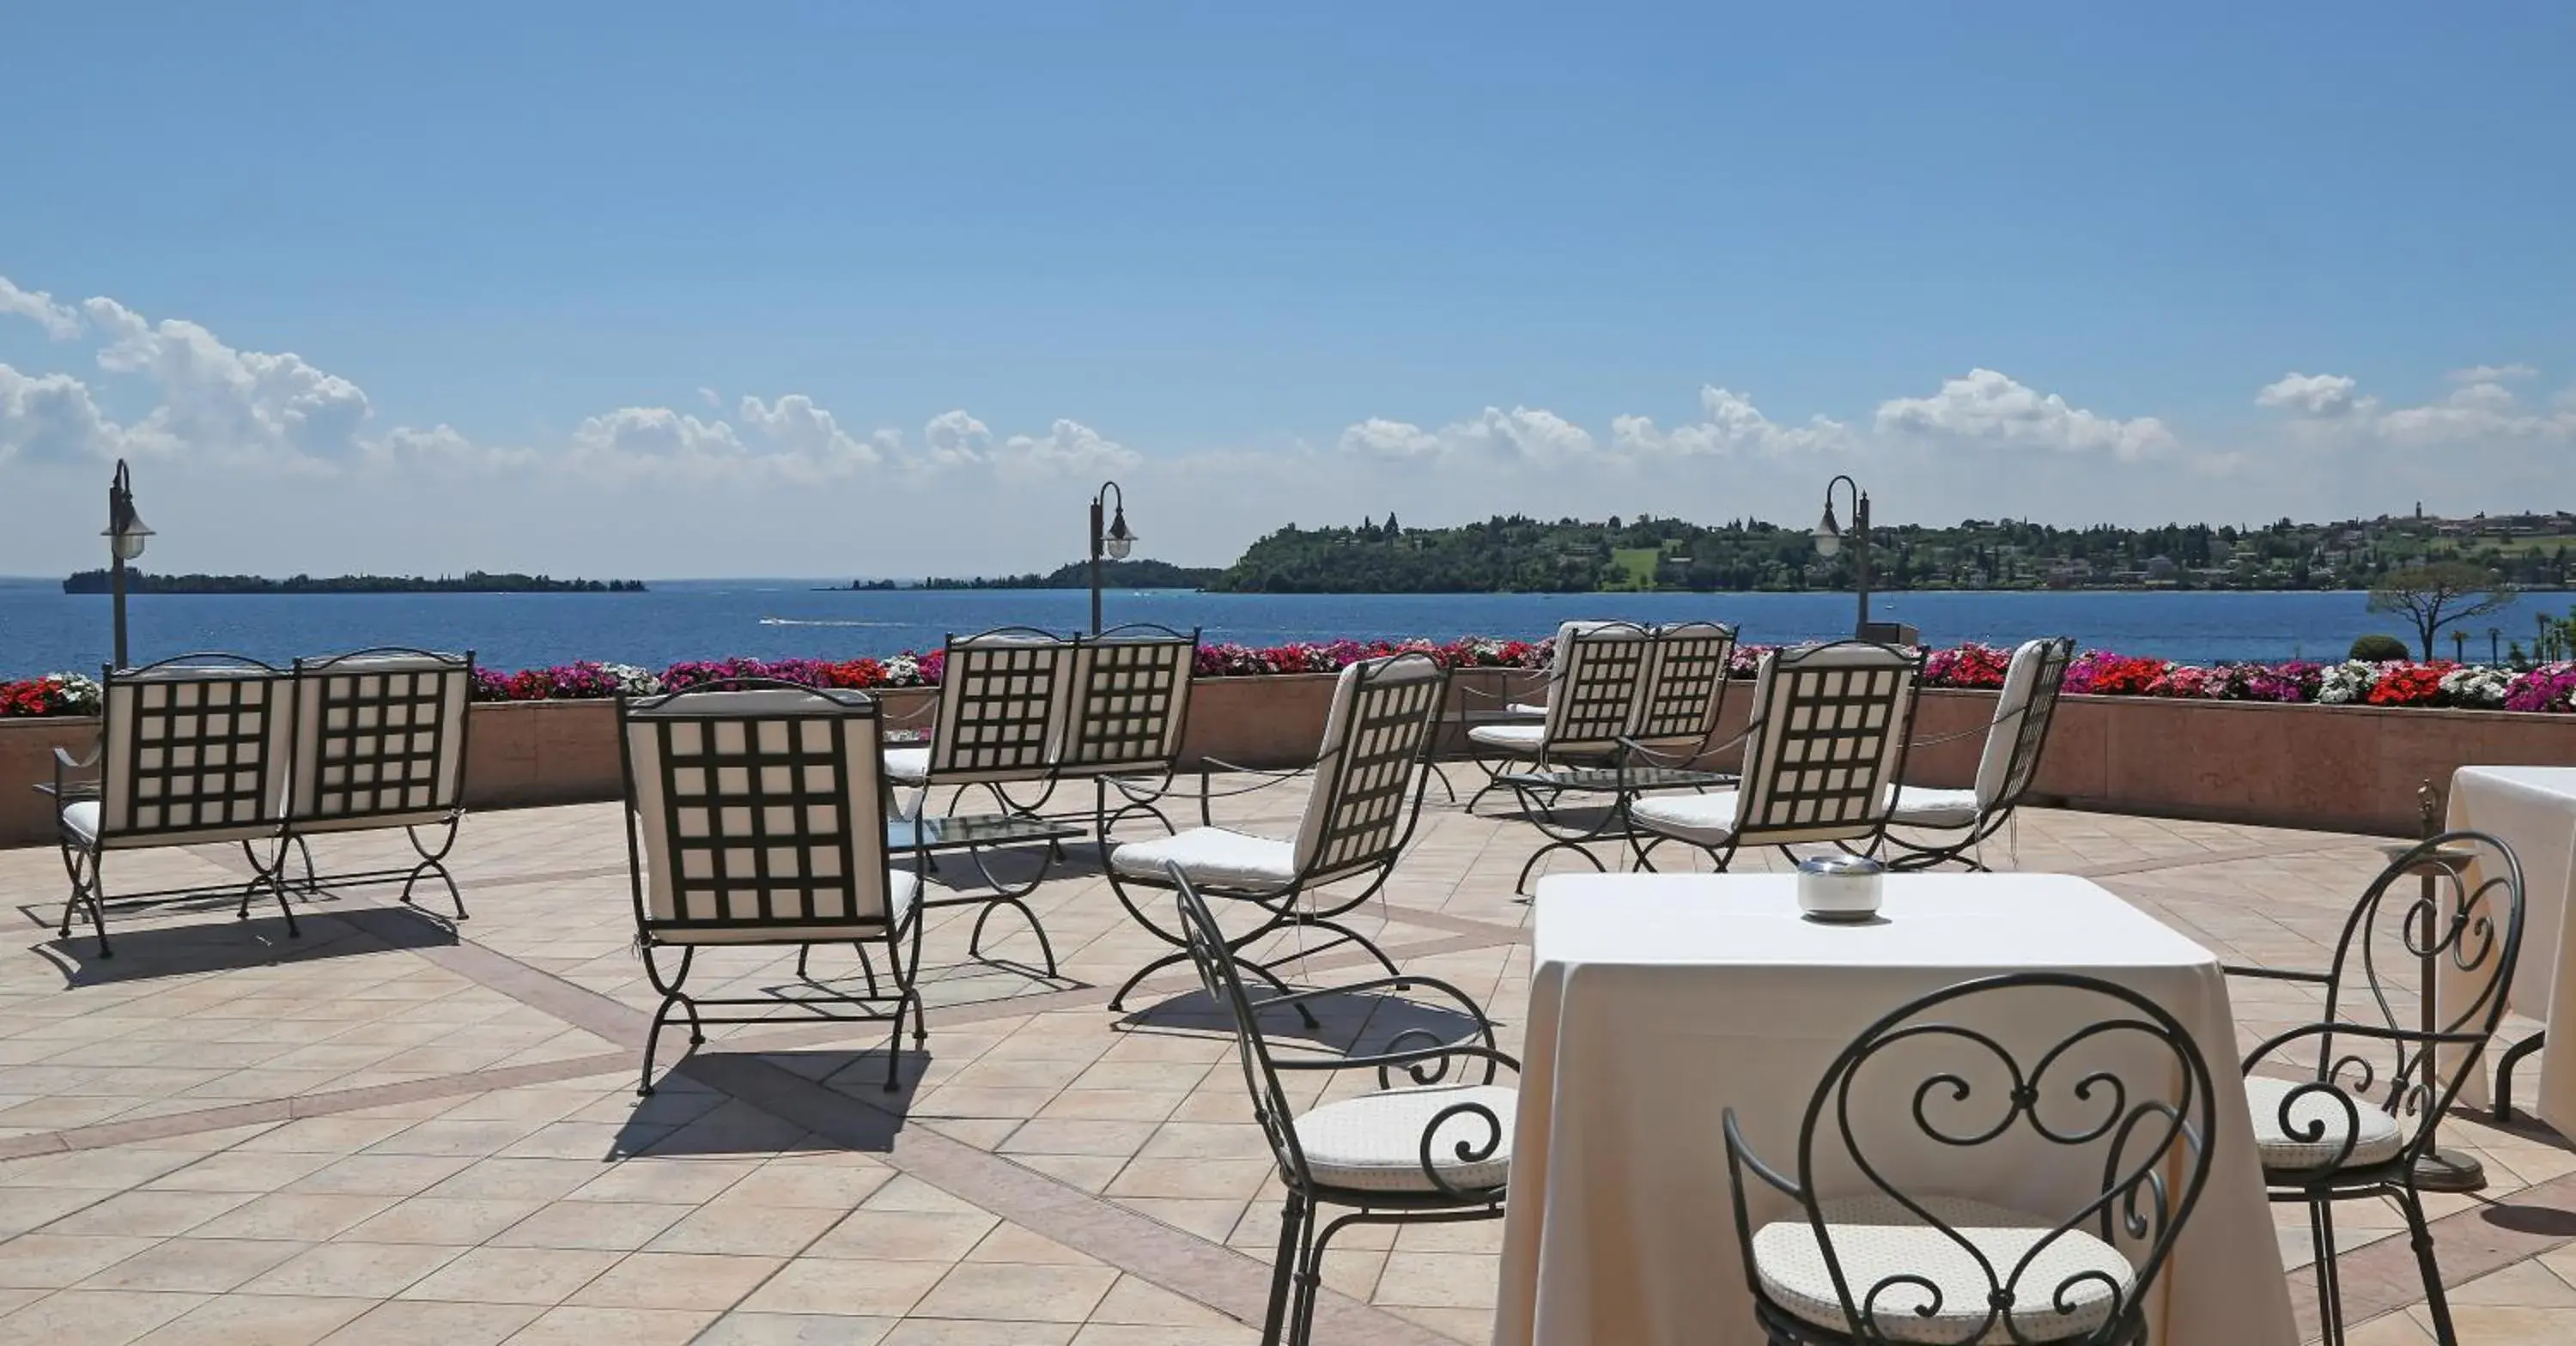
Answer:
(394, 1129)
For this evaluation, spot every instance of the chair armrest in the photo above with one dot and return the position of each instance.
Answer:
(64, 761)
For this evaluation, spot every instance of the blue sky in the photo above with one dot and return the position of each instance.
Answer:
(1261, 264)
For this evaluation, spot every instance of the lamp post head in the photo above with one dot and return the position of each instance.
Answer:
(125, 531)
(1829, 534)
(1117, 542)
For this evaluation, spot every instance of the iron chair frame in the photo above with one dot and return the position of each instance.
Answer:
(2033, 720)
(1586, 701)
(447, 803)
(858, 831)
(2413, 1084)
(1281, 904)
(84, 862)
(1096, 723)
(1672, 711)
(1757, 778)
(2117, 1207)
(1297, 1271)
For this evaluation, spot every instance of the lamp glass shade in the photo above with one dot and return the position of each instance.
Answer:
(1117, 542)
(1829, 534)
(127, 539)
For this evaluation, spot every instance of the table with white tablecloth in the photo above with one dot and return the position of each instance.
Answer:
(1659, 1001)
(2532, 809)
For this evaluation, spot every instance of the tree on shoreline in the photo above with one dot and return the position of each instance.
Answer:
(2434, 596)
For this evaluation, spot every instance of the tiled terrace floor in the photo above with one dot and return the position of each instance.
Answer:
(395, 1130)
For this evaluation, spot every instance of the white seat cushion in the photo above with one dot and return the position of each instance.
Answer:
(1373, 1143)
(1536, 709)
(907, 766)
(2379, 1140)
(80, 818)
(1211, 855)
(1708, 820)
(1519, 738)
(903, 888)
(1874, 1239)
(1920, 807)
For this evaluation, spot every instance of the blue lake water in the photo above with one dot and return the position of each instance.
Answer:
(43, 629)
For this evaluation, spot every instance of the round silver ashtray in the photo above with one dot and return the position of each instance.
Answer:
(1842, 889)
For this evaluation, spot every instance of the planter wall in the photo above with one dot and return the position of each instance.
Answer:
(2352, 768)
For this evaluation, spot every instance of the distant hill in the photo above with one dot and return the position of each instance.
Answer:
(471, 582)
(1518, 554)
(1077, 575)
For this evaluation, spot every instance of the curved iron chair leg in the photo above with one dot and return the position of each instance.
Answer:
(2511, 1057)
(93, 895)
(671, 995)
(1366, 945)
(312, 875)
(1283, 1268)
(2421, 1237)
(975, 937)
(434, 862)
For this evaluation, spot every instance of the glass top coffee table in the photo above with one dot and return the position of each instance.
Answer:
(966, 832)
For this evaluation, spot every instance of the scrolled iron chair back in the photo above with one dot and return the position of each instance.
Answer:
(1367, 793)
(2154, 1149)
(2371, 1041)
(195, 743)
(2030, 734)
(1205, 943)
(1686, 686)
(1601, 672)
(1128, 700)
(1827, 741)
(381, 733)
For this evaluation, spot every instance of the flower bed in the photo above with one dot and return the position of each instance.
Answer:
(2544, 688)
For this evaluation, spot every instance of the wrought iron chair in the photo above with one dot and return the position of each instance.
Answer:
(1436, 1149)
(2350, 1104)
(1363, 801)
(1128, 703)
(2015, 738)
(1879, 1263)
(194, 750)
(1822, 755)
(380, 743)
(1001, 716)
(1595, 673)
(756, 814)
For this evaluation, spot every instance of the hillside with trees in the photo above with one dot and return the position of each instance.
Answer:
(1525, 555)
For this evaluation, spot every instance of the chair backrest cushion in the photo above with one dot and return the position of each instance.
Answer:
(1128, 703)
(2023, 711)
(1001, 706)
(194, 750)
(1599, 680)
(380, 733)
(1826, 743)
(757, 810)
(1376, 740)
(1685, 686)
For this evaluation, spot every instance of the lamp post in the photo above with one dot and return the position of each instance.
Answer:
(1114, 540)
(1829, 540)
(125, 536)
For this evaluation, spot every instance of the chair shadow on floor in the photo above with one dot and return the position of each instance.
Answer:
(1363, 1022)
(716, 1102)
(217, 942)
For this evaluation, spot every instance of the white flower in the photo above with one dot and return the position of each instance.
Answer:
(2346, 682)
(631, 680)
(2474, 685)
(903, 670)
(80, 694)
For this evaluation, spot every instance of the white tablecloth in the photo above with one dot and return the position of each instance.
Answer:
(1658, 1001)
(2533, 810)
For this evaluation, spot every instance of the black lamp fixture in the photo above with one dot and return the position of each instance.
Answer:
(125, 534)
(1114, 541)
(1829, 542)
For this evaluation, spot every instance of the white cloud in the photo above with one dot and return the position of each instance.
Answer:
(955, 437)
(1378, 437)
(227, 402)
(2475, 416)
(1520, 437)
(793, 425)
(1067, 448)
(2491, 373)
(2313, 394)
(51, 418)
(1731, 425)
(59, 322)
(1986, 405)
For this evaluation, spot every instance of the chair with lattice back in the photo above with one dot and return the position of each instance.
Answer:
(194, 750)
(756, 815)
(380, 738)
(1822, 755)
(1363, 799)
(1127, 707)
(1956, 823)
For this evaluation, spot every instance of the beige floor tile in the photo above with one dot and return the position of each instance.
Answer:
(1124, 1334)
(1011, 1293)
(966, 1332)
(575, 1326)
(93, 1317)
(1138, 1302)
(744, 1227)
(410, 1322)
(1011, 1243)
(1439, 1280)
(198, 1264)
(2524, 1283)
(258, 1320)
(2502, 1325)
(1468, 1325)
(51, 1261)
(857, 1289)
(514, 1275)
(622, 1226)
(677, 1281)
(148, 1214)
(426, 1219)
(289, 1215)
(795, 1329)
(372, 1270)
(905, 1235)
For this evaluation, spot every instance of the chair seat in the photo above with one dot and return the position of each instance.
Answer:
(903, 888)
(80, 820)
(1213, 856)
(1875, 1239)
(1524, 739)
(1706, 820)
(1917, 806)
(1373, 1143)
(2379, 1137)
(907, 766)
